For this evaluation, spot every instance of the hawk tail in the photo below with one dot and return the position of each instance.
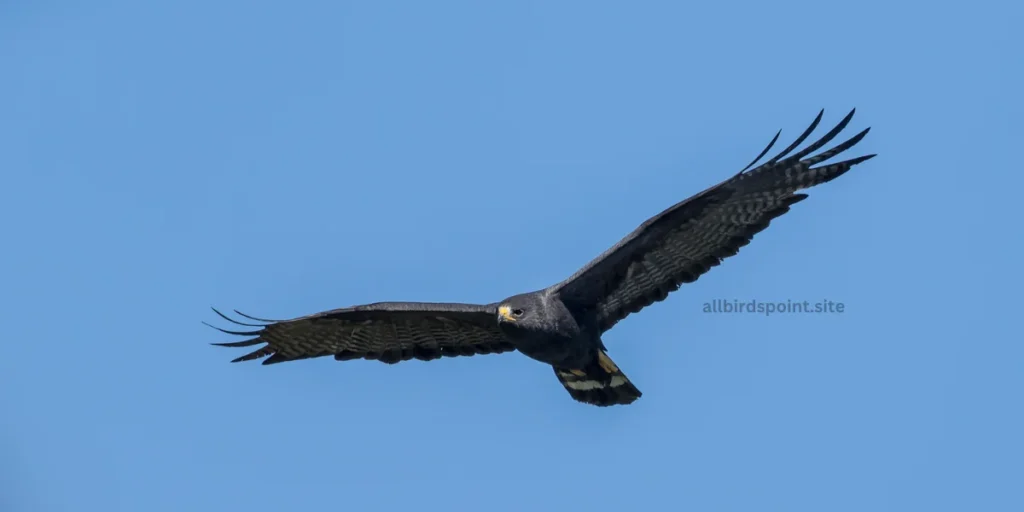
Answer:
(600, 383)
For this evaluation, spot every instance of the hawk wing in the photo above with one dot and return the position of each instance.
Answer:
(386, 331)
(685, 241)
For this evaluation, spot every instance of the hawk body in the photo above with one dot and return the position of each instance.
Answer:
(541, 327)
(562, 325)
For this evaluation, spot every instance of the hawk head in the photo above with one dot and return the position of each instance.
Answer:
(528, 313)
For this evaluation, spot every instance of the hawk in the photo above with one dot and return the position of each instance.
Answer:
(562, 324)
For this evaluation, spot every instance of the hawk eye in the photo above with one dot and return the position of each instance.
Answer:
(517, 312)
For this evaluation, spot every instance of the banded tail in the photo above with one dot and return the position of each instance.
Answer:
(600, 383)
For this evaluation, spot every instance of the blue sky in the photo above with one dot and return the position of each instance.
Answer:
(287, 158)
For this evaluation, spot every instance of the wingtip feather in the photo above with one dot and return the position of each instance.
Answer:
(799, 140)
(232, 320)
(763, 151)
(237, 333)
(256, 319)
(243, 343)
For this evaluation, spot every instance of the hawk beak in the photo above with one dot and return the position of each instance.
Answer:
(505, 313)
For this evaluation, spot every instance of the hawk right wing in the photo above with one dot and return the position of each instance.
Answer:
(385, 331)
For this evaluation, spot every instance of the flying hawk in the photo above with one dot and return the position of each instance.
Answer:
(562, 325)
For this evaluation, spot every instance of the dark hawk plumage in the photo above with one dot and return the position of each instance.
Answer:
(562, 325)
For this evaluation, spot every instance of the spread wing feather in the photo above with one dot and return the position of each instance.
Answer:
(385, 331)
(685, 241)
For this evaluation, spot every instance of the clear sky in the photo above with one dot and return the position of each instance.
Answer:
(284, 158)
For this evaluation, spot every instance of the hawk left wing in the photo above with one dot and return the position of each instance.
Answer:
(386, 331)
(688, 239)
